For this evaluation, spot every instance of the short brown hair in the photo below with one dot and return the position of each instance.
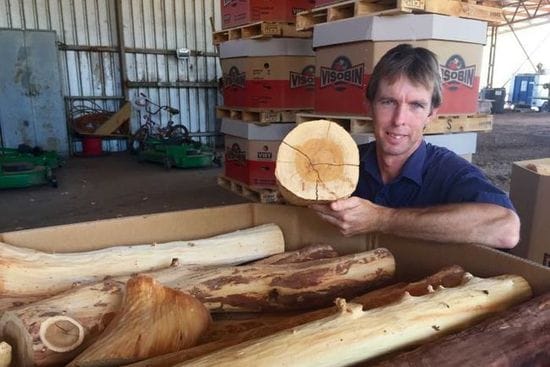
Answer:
(418, 64)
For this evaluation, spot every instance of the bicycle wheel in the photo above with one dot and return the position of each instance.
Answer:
(137, 140)
(178, 132)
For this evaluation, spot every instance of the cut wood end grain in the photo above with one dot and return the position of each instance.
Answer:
(61, 333)
(318, 161)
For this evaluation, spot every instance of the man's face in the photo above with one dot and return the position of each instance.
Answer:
(400, 112)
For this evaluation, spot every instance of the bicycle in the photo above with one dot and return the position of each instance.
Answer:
(149, 129)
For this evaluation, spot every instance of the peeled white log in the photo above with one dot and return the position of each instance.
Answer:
(249, 287)
(5, 354)
(317, 162)
(354, 335)
(27, 275)
(153, 320)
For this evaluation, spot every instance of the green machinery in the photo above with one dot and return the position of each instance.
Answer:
(25, 166)
(186, 154)
(171, 144)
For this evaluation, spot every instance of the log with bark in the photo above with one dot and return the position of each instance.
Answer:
(307, 253)
(27, 275)
(153, 320)
(353, 335)
(517, 337)
(228, 334)
(264, 287)
(317, 162)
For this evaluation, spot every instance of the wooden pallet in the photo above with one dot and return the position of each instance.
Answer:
(354, 8)
(440, 125)
(257, 115)
(265, 196)
(260, 30)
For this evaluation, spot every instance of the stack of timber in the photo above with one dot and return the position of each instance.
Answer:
(268, 77)
(185, 313)
(97, 320)
(489, 11)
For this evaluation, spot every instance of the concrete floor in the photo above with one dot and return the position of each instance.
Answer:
(110, 186)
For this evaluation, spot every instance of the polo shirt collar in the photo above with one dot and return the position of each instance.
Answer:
(413, 168)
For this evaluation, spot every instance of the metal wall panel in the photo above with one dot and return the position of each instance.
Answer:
(164, 27)
(31, 102)
(152, 30)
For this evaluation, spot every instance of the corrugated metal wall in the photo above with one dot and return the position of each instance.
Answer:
(152, 31)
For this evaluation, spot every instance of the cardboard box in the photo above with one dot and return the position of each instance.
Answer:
(460, 143)
(250, 130)
(239, 12)
(272, 73)
(347, 51)
(251, 162)
(530, 194)
(414, 258)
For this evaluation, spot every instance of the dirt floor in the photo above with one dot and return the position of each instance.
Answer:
(515, 137)
(116, 185)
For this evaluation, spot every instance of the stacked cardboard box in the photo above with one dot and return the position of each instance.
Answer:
(241, 12)
(262, 76)
(274, 73)
(251, 151)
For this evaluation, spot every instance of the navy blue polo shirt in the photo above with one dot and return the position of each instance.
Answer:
(432, 175)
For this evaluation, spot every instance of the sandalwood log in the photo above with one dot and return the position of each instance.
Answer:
(295, 286)
(354, 335)
(27, 275)
(5, 354)
(153, 320)
(317, 162)
(517, 337)
(222, 336)
(277, 287)
(308, 253)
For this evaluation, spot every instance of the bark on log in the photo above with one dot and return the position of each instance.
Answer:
(153, 320)
(317, 162)
(449, 277)
(27, 275)
(5, 354)
(309, 284)
(308, 253)
(354, 335)
(517, 337)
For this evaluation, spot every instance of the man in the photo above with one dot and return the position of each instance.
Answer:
(411, 188)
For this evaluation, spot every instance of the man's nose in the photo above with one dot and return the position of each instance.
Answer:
(400, 114)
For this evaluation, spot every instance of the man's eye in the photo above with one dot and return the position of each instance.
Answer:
(418, 106)
(386, 102)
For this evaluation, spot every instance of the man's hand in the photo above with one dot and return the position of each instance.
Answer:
(353, 215)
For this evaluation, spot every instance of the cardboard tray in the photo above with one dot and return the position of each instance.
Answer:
(414, 258)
